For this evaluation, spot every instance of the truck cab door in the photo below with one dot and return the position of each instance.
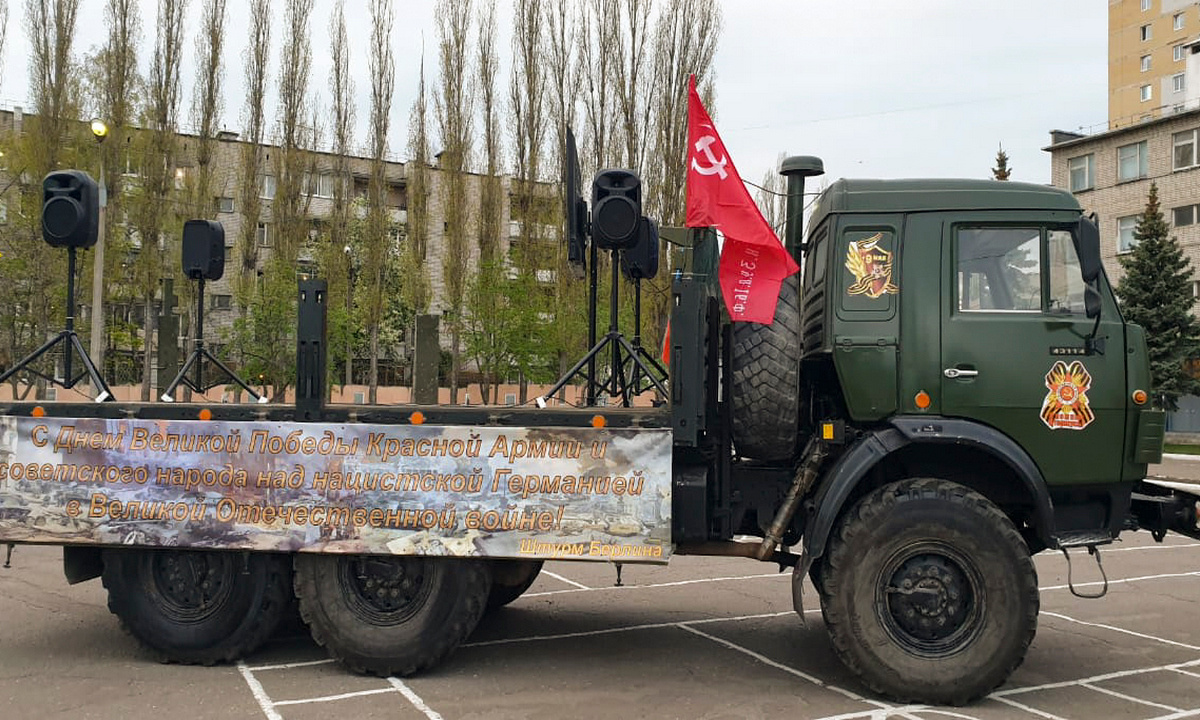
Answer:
(1013, 347)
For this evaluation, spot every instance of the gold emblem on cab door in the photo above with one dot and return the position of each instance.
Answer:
(871, 266)
(1066, 405)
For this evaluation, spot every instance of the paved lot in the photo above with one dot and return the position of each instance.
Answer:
(701, 638)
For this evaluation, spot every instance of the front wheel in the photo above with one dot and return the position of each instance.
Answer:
(510, 580)
(384, 615)
(929, 592)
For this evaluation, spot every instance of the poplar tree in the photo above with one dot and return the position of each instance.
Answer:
(337, 256)
(376, 246)
(1156, 293)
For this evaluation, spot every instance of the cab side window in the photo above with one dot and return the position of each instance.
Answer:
(999, 269)
(1066, 277)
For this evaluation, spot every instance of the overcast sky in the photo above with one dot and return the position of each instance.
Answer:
(877, 88)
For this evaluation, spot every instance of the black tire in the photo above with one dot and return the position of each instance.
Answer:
(765, 367)
(969, 623)
(384, 615)
(510, 580)
(197, 607)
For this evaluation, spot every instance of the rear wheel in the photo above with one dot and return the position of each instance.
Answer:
(929, 592)
(765, 365)
(197, 607)
(510, 580)
(385, 615)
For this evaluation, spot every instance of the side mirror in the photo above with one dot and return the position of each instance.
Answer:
(1089, 250)
(1091, 302)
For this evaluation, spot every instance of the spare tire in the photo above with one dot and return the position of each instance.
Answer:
(765, 369)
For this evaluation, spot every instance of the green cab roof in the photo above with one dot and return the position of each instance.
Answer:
(881, 196)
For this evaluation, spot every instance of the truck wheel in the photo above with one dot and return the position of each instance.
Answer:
(384, 615)
(929, 592)
(765, 365)
(197, 607)
(510, 580)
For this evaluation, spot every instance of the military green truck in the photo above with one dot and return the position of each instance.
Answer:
(947, 389)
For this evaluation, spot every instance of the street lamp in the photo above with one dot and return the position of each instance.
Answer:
(349, 309)
(100, 132)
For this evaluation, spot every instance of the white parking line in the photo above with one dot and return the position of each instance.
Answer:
(1026, 708)
(256, 689)
(413, 698)
(289, 666)
(1131, 698)
(1122, 581)
(1093, 679)
(556, 576)
(331, 698)
(628, 628)
(677, 583)
(1122, 630)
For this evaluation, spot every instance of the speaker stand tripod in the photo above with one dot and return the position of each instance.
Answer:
(641, 379)
(70, 340)
(623, 353)
(197, 357)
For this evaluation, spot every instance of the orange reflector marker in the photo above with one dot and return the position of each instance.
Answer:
(205, 414)
(38, 411)
(598, 421)
(1140, 397)
(417, 418)
(922, 400)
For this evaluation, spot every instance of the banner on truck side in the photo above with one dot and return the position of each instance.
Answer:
(535, 493)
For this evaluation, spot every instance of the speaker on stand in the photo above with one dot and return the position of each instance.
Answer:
(203, 259)
(70, 219)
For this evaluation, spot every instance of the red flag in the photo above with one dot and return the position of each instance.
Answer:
(753, 262)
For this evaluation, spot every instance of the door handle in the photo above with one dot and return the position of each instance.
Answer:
(953, 373)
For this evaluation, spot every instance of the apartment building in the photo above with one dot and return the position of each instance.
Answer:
(1149, 44)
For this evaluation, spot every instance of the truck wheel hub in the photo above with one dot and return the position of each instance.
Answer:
(385, 590)
(929, 603)
(190, 584)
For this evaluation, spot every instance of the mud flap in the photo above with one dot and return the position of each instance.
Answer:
(799, 572)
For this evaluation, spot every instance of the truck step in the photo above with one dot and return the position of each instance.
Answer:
(1084, 538)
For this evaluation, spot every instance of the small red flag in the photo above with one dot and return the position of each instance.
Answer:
(753, 262)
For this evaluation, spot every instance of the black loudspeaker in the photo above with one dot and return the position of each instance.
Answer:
(616, 209)
(70, 209)
(640, 262)
(203, 249)
(574, 208)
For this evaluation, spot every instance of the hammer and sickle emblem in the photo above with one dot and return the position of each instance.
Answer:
(715, 166)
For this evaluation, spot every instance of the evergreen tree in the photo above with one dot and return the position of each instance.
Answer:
(1156, 294)
(1002, 170)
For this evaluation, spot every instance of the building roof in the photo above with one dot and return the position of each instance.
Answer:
(850, 195)
(1060, 140)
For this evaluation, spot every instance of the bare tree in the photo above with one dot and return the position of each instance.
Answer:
(31, 293)
(251, 185)
(599, 28)
(207, 101)
(377, 241)
(417, 175)
(685, 43)
(341, 84)
(527, 102)
(3, 30)
(453, 102)
(635, 82)
(51, 28)
(289, 209)
(151, 215)
(489, 191)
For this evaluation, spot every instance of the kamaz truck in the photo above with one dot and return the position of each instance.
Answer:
(948, 388)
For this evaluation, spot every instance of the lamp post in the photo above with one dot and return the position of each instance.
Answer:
(100, 132)
(349, 310)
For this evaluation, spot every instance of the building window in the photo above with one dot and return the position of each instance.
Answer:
(1178, 21)
(1183, 150)
(266, 187)
(1195, 290)
(264, 235)
(224, 204)
(1132, 162)
(1082, 171)
(1177, 53)
(1177, 82)
(1146, 5)
(1145, 63)
(3, 211)
(319, 185)
(1146, 33)
(1183, 216)
(1147, 92)
(222, 302)
(1125, 228)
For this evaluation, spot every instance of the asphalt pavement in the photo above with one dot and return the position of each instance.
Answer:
(700, 638)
